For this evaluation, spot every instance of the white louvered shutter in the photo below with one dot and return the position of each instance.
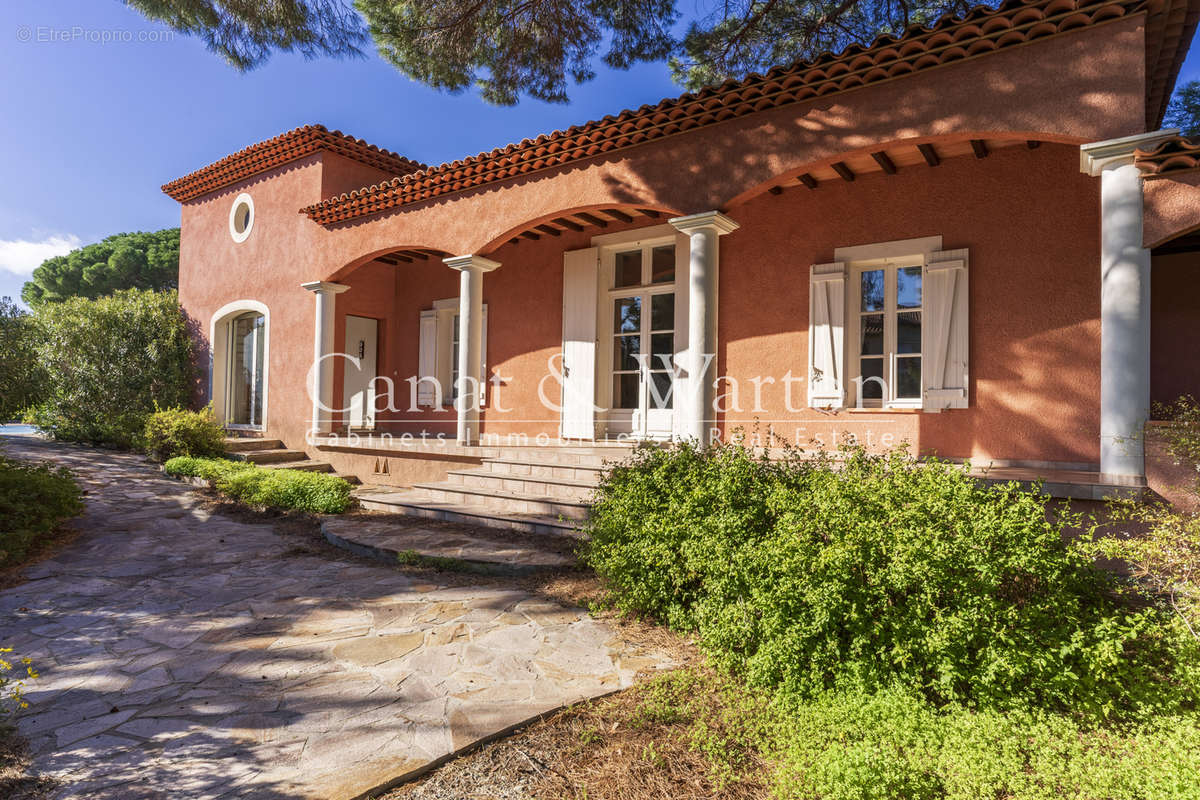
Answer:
(945, 341)
(427, 359)
(483, 370)
(826, 335)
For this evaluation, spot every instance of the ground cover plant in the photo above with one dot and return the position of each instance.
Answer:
(912, 632)
(34, 501)
(298, 490)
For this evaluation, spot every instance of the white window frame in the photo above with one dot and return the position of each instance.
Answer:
(446, 311)
(219, 336)
(645, 239)
(890, 257)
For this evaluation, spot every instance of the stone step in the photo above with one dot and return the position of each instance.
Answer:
(558, 488)
(540, 469)
(504, 502)
(243, 444)
(273, 456)
(304, 466)
(414, 503)
(383, 539)
(590, 456)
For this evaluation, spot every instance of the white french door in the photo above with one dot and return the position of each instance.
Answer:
(246, 364)
(641, 305)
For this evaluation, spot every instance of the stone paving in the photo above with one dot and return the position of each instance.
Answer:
(184, 654)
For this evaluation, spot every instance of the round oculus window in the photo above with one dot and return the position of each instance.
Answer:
(241, 218)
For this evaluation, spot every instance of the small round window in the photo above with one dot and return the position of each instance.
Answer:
(241, 218)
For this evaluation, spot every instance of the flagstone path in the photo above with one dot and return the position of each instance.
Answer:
(184, 654)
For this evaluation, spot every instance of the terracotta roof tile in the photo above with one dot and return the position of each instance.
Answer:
(982, 30)
(283, 149)
(1173, 155)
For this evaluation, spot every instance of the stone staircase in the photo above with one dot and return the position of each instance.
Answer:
(271, 454)
(542, 490)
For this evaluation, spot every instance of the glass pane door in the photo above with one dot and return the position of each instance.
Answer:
(247, 347)
(642, 361)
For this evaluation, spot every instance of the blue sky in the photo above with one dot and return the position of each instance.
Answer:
(91, 128)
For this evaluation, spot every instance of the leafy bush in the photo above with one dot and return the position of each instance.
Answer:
(179, 432)
(879, 572)
(12, 682)
(110, 364)
(1182, 431)
(21, 376)
(34, 499)
(276, 488)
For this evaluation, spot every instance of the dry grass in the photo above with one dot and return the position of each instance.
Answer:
(15, 781)
(40, 550)
(640, 744)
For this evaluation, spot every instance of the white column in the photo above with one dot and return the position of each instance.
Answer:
(320, 380)
(1124, 305)
(470, 341)
(696, 403)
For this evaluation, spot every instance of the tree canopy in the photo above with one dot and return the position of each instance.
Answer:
(507, 48)
(1184, 110)
(122, 261)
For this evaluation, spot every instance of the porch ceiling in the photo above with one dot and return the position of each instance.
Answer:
(411, 256)
(581, 220)
(891, 160)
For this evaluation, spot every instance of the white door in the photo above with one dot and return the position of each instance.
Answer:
(642, 306)
(362, 336)
(580, 290)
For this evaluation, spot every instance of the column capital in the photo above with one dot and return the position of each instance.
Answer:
(461, 263)
(1095, 157)
(714, 220)
(322, 286)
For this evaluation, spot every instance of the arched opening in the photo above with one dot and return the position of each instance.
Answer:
(1175, 318)
(240, 338)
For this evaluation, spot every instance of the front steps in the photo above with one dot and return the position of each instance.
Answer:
(271, 454)
(540, 490)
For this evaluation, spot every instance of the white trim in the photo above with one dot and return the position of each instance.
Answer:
(218, 357)
(238, 201)
(1095, 157)
(886, 252)
(652, 235)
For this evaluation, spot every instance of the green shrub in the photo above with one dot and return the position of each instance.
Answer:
(879, 572)
(110, 363)
(1182, 431)
(276, 488)
(179, 432)
(34, 499)
(21, 376)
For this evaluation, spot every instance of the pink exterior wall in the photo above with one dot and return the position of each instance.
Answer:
(1029, 218)
(1174, 326)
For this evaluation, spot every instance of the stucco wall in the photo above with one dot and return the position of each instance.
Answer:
(1174, 326)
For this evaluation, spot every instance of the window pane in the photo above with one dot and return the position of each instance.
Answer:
(872, 290)
(662, 312)
(628, 269)
(662, 264)
(908, 287)
(625, 352)
(908, 332)
(872, 368)
(662, 386)
(908, 377)
(662, 347)
(625, 390)
(628, 317)
(872, 335)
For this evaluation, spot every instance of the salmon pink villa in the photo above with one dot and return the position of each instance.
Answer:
(974, 239)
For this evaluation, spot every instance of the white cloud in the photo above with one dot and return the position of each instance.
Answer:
(22, 256)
